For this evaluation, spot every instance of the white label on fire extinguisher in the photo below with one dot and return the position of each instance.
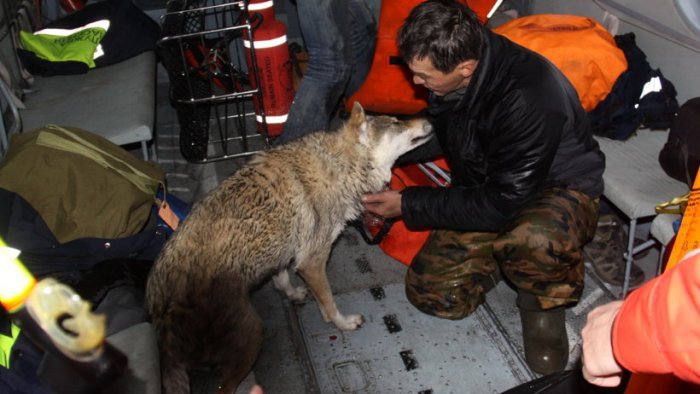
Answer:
(272, 119)
(259, 6)
(262, 44)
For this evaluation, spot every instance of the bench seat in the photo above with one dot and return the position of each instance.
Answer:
(116, 102)
(635, 182)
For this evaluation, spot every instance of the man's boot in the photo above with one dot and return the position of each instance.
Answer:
(544, 335)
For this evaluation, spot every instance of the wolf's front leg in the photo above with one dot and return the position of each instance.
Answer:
(313, 270)
(282, 282)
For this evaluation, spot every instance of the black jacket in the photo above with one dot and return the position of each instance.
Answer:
(518, 129)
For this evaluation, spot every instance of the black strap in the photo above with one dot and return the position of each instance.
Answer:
(367, 236)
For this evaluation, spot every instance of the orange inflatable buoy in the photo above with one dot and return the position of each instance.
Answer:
(388, 87)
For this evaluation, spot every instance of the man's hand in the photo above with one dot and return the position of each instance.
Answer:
(256, 390)
(599, 365)
(386, 204)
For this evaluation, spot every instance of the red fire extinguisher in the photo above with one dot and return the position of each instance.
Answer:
(274, 67)
(72, 5)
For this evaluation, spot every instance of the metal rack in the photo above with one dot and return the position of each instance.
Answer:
(211, 87)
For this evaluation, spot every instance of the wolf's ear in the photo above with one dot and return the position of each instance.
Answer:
(357, 116)
(358, 121)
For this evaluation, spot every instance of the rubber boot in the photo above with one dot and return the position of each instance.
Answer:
(544, 335)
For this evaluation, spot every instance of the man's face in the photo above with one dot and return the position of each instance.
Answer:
(424, 73)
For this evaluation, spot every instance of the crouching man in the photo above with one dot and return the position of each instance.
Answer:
(526, 179)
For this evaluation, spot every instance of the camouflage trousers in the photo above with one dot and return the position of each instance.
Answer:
(541, 253)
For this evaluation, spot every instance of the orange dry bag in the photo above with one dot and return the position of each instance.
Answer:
(579, 46)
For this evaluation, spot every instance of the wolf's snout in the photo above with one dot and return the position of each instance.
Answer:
(424, 127)
(424, 133)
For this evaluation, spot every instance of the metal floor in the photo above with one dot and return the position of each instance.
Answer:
(398, 349)
(401, 350)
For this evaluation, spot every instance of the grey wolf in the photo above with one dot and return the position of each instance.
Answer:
(282, 211)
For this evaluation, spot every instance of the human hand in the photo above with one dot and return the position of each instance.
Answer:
(256, 390)
(599, 364)
(386, 204)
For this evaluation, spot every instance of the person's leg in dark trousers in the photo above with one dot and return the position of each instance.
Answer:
(340, 37)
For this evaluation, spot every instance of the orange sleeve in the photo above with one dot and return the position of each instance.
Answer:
(657, 330)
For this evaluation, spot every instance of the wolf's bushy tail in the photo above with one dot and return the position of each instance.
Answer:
(174, 378)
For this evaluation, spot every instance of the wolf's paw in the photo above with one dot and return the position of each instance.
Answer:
(349, 322)
(297, 293)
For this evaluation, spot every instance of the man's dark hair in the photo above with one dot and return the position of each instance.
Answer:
(445, 31)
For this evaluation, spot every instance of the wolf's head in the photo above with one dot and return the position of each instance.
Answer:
(386, 137)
